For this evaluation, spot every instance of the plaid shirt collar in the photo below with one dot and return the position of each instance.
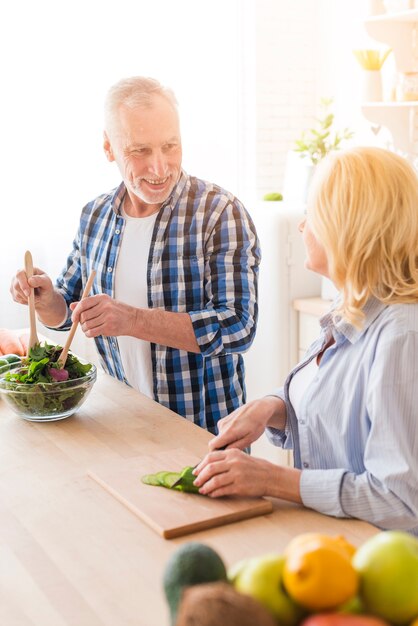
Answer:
(119, 194)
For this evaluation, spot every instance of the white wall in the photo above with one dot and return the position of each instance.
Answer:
(304, 51)
(248, 75)
(61, 58)
(287, 54)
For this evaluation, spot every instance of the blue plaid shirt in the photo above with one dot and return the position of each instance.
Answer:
(203, 260)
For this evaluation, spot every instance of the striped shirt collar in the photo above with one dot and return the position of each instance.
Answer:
(372, 309)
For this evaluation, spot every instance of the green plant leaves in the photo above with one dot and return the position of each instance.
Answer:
(316, 143)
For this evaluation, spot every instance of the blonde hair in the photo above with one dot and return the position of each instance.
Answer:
(363, 206)
(136, 91)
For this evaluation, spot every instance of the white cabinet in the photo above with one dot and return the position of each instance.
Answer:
(283, 278)
(400, 32)
(309, 311)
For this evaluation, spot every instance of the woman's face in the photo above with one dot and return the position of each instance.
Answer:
(316, 258)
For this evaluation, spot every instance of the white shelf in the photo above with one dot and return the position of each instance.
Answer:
(398, 31)
(407, 104)
(401, 16)
(400, 118)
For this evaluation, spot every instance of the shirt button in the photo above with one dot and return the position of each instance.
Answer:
(301, 422)
(110, 270)
(306, 464)
(117, 231)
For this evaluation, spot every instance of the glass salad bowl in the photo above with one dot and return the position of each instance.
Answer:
(44, 401)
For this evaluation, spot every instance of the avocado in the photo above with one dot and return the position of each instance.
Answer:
(191, 564)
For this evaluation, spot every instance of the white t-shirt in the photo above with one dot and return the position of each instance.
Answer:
(131, 288)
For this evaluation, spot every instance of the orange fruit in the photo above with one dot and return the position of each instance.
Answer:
(318, 573)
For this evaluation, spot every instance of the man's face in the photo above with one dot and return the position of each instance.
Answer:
(146, 145)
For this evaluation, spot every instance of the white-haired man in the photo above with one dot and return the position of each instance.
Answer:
(174, 302)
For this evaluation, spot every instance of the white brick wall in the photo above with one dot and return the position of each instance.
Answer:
(303, 52)
(286, 60)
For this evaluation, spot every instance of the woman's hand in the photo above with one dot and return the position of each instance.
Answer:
(232, 473)
(245, 425)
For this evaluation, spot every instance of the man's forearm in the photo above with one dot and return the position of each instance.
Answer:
(166, 328)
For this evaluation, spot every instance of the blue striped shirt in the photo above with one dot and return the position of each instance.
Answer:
(356, 435)
(203, 260)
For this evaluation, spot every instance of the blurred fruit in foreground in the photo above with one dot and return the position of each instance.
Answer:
(214, 604)
(235, 570)
(262, 578)
(318, 573)
(352, 607)
(193, 563)
(307, 538)
(336, 619)
(388, 568)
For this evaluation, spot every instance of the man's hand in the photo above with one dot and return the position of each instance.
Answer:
(21, 286)
(102, 315)
(49, 304)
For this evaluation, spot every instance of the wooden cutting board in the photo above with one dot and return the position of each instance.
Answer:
(171, 513)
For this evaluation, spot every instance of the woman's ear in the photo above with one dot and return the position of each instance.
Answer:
(107, 147)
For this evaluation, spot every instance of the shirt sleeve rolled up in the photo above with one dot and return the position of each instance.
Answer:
(227, 323)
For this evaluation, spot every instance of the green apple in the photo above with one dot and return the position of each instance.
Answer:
(261, 578)
(388, 568)
(235, 570)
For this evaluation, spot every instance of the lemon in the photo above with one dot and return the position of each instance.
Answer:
(318, 573)
(335, 541)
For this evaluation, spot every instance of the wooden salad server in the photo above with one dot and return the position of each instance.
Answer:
(33, 337)
(63, 356)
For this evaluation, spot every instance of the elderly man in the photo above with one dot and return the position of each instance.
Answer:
(174, 303)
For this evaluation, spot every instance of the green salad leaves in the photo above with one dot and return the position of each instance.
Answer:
(29, 383)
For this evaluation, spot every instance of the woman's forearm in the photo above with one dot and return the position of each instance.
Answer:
(284, 483)
(276, 407)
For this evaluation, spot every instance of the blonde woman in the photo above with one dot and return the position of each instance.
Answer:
(349, 410)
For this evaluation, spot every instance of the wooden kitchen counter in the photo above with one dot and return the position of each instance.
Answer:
(70, 553)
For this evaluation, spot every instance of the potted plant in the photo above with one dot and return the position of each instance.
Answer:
(316, 143)
(312, 146)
